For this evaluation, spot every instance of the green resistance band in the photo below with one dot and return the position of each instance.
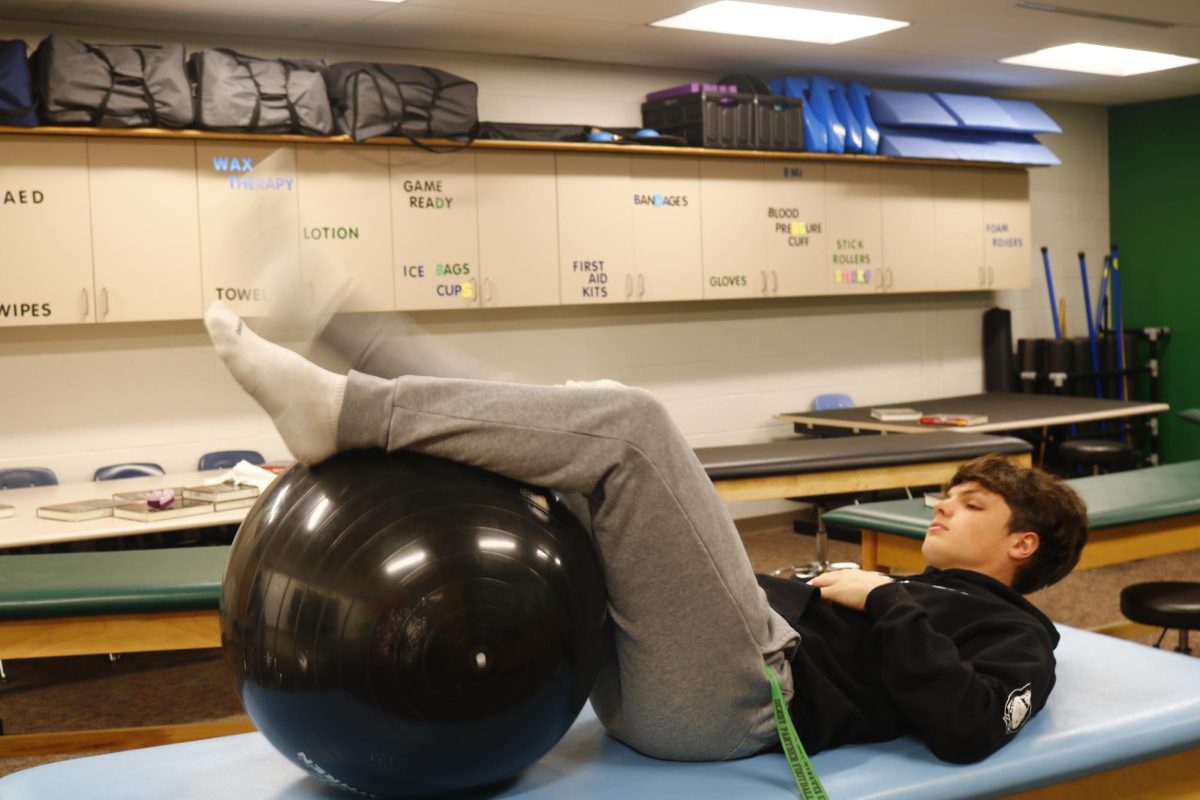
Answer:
(802, 769)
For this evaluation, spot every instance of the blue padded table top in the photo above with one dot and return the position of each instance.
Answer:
(1105, 713)
(1113, 500)
(789, 456)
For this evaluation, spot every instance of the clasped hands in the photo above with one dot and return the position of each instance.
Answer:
(848, 587)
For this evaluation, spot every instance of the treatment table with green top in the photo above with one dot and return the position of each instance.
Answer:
(1131, 515)
(88, 603)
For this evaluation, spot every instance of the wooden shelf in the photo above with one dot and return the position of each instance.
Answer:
(496, 144)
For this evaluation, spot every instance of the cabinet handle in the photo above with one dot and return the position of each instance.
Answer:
(487, 290)
(991, 276)
(474, 289)
(104, 294)
(983, 276)
(641, 284)
(628, 284)
(764, 281)
(86, 309)
(774, 281)
(891, 278)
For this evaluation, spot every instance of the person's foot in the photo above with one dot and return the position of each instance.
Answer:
(304, 400)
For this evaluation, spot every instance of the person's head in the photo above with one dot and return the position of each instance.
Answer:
(1019, 525)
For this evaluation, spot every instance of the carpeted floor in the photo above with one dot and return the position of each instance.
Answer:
(161, 688)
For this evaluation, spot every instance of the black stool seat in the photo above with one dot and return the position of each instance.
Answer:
(1098, 451)
(1164, 604)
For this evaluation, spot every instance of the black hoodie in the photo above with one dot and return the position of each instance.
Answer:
(954, 657)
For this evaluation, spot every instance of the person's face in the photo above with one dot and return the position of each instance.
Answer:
(970, 531)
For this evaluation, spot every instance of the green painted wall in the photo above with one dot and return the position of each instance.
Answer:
(1154, 191)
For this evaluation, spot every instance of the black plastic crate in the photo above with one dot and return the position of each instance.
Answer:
(730, 120)
(778, 123)
(704, 119)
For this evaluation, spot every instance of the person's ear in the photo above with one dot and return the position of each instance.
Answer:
(1022, 545)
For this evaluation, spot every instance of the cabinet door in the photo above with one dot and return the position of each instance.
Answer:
(795, 219)
(345, 226)
(46, 233)
(145, 234)
(595, 228)
(249, 247)
(957, 222)
(907, 206)
(1006, 229)
(855, 234)
(518, 229)
(666, 228)
(435, 230)
(733, 244)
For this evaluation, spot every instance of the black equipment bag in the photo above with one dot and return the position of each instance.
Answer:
(16, 86)
(237, 92)
(111, 85)
(402, 100)
(534, 132)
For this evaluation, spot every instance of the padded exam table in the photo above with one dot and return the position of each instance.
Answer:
(1136, 514)
(1123, 721)
(90, 603)
(847, 464)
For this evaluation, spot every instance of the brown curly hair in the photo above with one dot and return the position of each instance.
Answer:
(1040, 502)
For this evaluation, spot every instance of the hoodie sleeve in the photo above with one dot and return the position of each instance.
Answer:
(965, 696)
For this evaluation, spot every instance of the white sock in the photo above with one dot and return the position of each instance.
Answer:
(304, 401)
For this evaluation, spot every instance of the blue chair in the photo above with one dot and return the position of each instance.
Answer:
(22, 477)
(224, 459)
(130, 470)
(828, 402)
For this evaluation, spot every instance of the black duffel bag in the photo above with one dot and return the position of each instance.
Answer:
(111, 85)
(402, 100)
(237, 92)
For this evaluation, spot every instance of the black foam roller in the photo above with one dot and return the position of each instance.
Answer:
(1057, 358)
(1029, 359)
(998, 374)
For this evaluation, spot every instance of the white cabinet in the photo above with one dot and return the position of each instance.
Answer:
(795, 219)
(909, 249)
(518, 229)
(595, 229)
(435, 229)
(855, 233)
(733, 238)
(345, 227)
(666, 228)
(117, 229)
(1006, 249)
(45, 232)
(249, 247)
(957, 225)
(145, 236)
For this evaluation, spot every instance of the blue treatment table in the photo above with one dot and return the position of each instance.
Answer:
(1123, 721)
(1132, 515)
(847, 464)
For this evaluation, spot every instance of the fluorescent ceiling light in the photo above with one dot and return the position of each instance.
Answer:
(1100, 59)
(387, 1)
(779, 22)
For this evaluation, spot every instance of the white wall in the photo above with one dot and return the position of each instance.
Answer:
(77, 397)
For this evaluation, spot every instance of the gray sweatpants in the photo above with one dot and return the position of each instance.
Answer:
(692, 626)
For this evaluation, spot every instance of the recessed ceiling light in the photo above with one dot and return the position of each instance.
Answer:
(1100, 59)
(779, 22)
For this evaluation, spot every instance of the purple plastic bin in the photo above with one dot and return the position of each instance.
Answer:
(690, 88)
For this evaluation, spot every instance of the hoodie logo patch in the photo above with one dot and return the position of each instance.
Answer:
(1017, 708)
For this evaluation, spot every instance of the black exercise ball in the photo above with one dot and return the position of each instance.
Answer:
(403, 625)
